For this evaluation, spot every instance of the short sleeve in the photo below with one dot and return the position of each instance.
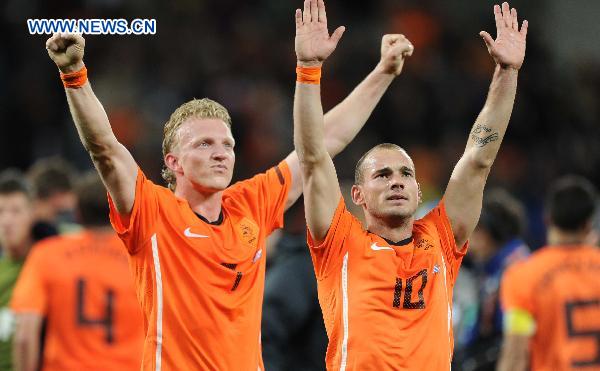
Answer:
(515, 289)
(136, 228)
(452, 253)
(330, 253)
(30, 294)
(265, 195)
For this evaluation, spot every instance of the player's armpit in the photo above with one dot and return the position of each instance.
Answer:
(26, 343)
(514, 355)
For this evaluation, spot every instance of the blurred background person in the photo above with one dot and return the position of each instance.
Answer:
(496, 243)
(54, 198)
(82, 284)
(552, 299)
(16, 220)
(293, 334)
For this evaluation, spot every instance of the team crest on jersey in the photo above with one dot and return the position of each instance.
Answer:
(248, 232)
(423, 244)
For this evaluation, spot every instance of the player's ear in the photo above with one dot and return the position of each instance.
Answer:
(172, 163)
(357, 195)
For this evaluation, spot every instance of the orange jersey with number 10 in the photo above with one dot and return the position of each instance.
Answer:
(201, 284)
(82, 284)
(387, 306)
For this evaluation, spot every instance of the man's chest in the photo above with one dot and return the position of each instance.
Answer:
(405, 277)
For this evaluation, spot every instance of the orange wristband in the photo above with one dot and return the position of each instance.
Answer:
(74, 80)
(308, 75)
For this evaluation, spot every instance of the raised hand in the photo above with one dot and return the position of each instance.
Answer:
(394, 50)
(66, 50)
(313, 43)
(508, 50)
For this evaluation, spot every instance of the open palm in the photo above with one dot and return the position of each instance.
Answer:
(313, 43)
(508, 50)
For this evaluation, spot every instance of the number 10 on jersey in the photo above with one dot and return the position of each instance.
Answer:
(407, 303)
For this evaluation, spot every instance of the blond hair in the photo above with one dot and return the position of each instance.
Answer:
(198, 108)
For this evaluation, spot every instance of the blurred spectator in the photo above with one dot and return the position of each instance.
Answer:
(16, 220)
(52, 180)
(94, 321)
(495, 244)
(293, 333)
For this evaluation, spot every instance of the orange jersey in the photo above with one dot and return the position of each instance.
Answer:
(386, 306)
(560, 288)
(82, 284)
(201, 284)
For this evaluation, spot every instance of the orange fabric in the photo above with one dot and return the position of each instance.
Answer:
(560, 288)
(399, 298)
(308, 75)
(81, 283)
(74, 80)
(208, 314)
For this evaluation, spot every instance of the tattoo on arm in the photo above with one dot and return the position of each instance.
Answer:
(482, 135)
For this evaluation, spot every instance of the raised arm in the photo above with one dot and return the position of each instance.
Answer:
(321, 188)
(464, 193)
(113, 161)
(345, 120)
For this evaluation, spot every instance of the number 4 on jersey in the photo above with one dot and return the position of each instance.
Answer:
(106, 322)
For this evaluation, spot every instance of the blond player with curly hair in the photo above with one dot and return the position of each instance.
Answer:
(197, 249)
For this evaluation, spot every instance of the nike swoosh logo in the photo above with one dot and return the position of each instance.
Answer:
(378, 248)
(191, 234)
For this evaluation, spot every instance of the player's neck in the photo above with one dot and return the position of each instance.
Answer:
(557, 237)
(393, 230)
(205, 203)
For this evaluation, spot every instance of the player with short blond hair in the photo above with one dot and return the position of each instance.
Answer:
(197, 249)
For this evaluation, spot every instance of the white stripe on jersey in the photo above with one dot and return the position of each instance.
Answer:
(344, 313)
(159, 301)
(449, 306)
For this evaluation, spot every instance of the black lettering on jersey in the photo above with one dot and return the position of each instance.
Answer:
(229, 265)
(593, 334)
(423, 244)
(407, 303)
(238, 275)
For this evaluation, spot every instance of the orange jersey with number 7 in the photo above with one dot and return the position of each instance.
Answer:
(387, 306)
(200, 283)
(82, 284)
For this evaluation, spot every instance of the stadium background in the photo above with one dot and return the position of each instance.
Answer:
(241, 54)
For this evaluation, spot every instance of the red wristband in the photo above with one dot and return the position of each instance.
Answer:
(308, 75)
(74, 80)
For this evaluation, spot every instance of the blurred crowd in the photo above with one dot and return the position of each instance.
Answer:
(241, 54)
